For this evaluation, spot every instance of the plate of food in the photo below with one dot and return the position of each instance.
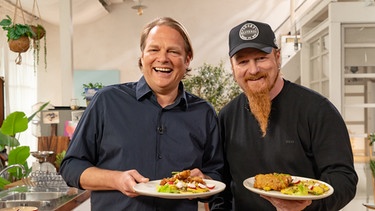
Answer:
(180, 186)
(285, 186)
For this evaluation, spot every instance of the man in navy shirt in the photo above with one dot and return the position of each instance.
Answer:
(145, 130)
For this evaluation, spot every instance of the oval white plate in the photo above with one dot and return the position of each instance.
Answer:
(150, 189)
(370, 206)
(249, 184)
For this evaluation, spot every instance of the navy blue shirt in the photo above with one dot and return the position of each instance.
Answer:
(125, 128)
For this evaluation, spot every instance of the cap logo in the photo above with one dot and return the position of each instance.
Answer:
(249, 31)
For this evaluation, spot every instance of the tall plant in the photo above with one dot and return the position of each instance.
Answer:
(212, 83)
(15, 123)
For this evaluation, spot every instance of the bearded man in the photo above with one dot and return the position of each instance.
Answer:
(279, 126)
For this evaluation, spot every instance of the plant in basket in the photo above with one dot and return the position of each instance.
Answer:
(18, 36)
(39, 33)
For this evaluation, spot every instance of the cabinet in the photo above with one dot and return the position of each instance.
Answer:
(337, 61)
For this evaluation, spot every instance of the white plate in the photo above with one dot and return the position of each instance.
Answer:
(249, 184)
(150, 189)
(370, 206)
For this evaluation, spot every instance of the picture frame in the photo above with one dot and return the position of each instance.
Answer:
(50, 117)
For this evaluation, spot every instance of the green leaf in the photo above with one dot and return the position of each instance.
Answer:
(15, 31)
(40, 109)
(6, 140)
(3, 182)
(5, 22)
(18, 155)
(14, 123)
(59, 157)
(12, 34)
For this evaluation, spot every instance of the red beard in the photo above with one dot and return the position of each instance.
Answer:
(260, 106)
(260, 103)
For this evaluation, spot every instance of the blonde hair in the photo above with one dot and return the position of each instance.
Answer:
(166, 21)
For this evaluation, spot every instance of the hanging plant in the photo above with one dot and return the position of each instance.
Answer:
(18, 36)
(40, 32)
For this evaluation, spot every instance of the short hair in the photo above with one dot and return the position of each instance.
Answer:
(166, 21)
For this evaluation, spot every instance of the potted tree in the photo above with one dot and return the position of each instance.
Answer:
(18, 36)
(212, 83)
(90, 89)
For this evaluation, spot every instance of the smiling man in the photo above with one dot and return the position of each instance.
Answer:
(140, 131)
(279, 126)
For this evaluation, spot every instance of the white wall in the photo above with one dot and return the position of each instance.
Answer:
(112, 42)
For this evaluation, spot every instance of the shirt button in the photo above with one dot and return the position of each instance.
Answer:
(160, 157)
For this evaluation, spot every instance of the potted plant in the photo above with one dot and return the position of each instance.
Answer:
(18, 36)
(59, 157)
(15, 123)
(90, 89)
(39, 33)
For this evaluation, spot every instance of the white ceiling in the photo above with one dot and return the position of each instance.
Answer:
(83, 11)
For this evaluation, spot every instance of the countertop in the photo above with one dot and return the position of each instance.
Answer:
(73, 199)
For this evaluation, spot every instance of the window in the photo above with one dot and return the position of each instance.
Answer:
(319, 80)
(359, 83)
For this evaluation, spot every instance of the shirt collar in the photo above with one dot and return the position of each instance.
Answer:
(143, 90)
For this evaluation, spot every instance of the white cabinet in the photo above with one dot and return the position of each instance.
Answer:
(338, 60)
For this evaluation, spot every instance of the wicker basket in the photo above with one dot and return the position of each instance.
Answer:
(21, 45)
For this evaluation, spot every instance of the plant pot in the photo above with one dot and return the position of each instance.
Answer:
(39, 32)
(89, 93)
(20, 45)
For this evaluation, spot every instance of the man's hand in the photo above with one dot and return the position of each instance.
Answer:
(197, 173)
(287, 205)
(105, 179)
(128, 179)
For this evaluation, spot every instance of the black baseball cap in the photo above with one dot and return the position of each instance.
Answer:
(251, 34)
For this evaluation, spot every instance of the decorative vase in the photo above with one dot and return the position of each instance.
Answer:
(89, 93)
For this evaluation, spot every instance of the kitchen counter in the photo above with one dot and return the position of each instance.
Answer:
(71, 198)
(74, 201)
